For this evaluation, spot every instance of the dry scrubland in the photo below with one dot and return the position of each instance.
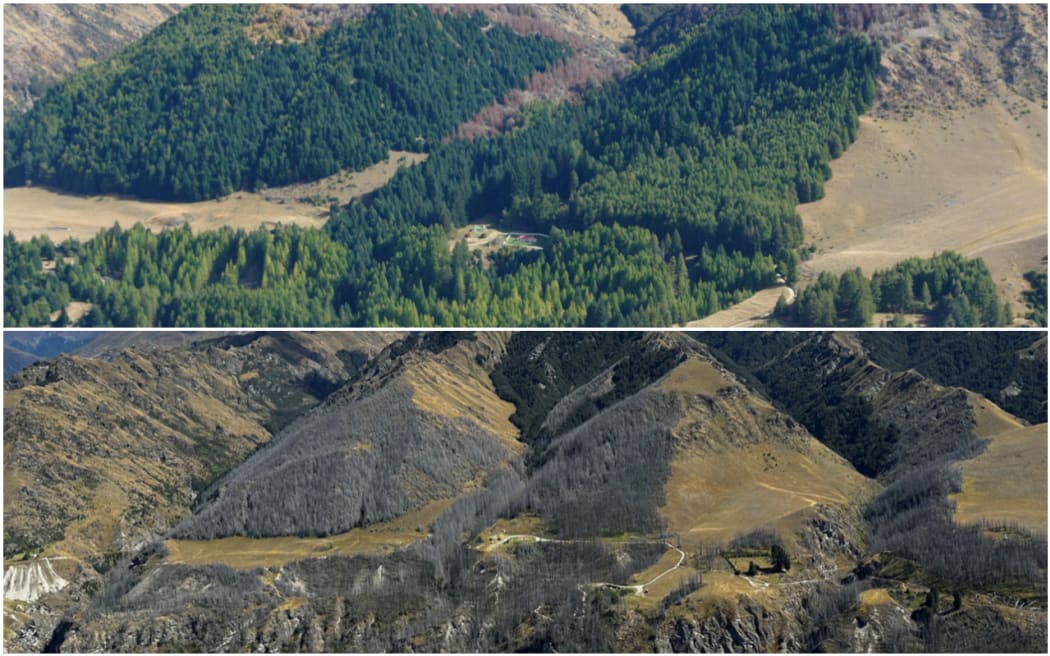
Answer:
(44, 43)
(971, 180)
(30, 211)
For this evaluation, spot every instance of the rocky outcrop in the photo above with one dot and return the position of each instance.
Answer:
(734, 628)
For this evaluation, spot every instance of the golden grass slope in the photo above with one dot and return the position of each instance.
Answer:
(102, 452)
(1006, 483)
(989, 418)
(971, 180)
(740, 465)
(106, 477)
(452, 384)
(712, 498)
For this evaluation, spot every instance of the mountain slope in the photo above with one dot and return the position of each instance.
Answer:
(287, 110)
(565, 491)
(763, 470)
(1004, 483)
(658, 405)
(45, 43)
(585, 166)
(1006, 367)
(172, 419)
(390, 444)
(885, 422)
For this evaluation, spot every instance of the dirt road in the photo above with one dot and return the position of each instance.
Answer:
(751, 312)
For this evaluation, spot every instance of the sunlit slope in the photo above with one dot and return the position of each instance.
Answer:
(1006, 483)
(739, 464)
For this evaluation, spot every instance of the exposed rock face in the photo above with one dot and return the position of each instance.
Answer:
(32, 580)
(743, 627)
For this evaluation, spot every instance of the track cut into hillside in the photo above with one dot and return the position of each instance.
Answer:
(740, 465)
(581, 542)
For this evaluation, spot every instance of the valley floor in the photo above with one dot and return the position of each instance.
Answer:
(32, 211)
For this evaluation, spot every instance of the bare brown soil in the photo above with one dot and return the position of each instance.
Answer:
(75, 311)
(597, 35)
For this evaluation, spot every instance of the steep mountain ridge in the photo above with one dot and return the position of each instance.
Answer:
(885, 422)
(610, 469)
(385, 445)
(102, 454)
(1005, 367)
(628, 500)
